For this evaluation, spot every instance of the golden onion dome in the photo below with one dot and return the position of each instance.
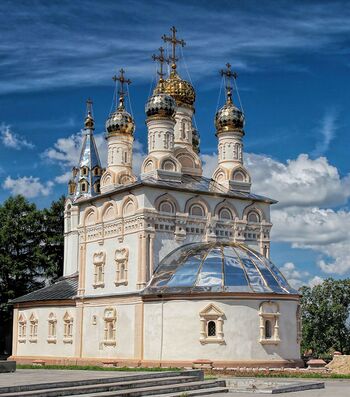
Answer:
(89, 122)
(229, 117)
(181, 90)
(120, 121)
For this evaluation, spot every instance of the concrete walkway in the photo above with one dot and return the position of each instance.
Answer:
(34, 376)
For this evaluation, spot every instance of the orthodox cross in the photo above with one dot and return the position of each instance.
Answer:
(122, 80)
(174, 42)
(161, 59)
(228, 77)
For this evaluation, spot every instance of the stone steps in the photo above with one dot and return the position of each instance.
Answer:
(127, 377)
(198, 388)
(131, 385)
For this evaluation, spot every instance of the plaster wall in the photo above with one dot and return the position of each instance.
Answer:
(172, 331)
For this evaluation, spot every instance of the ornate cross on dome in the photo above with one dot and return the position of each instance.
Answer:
(174, 42)
(161, 59)
(122, 80)
(228, 77)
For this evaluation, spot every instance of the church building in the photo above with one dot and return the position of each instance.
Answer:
(167, 267)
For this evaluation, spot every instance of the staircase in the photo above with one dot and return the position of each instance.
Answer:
(164, 384)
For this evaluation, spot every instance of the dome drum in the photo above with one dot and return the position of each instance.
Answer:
(217, 268)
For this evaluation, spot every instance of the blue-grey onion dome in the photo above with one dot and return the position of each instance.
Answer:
(228, 118)
(217, 267)
(120, 121)
(160, 104)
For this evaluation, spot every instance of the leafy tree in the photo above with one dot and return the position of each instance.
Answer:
(325, 316)
(31, 251)
(53, 239)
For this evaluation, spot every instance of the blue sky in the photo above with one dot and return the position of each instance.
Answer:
(292, 58)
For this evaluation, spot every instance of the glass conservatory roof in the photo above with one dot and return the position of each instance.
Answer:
(216, 267)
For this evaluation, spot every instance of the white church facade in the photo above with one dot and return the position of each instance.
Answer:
(167, 267)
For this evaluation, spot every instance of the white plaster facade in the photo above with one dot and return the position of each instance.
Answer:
(114, 242)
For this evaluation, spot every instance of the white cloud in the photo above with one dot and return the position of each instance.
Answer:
(209, 162)
(316, 280)
(298, 278)
(28, 186)
(326, 133)
(300, 182)
(11, 140)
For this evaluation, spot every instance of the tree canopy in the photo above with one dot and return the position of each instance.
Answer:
(31, 247)
(325, 317)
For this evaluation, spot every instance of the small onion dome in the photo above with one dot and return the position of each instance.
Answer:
(181, 90)
(89, 122)
(160, 104)
(120, 121)
(229, 117)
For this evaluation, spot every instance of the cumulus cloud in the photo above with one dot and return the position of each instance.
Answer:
(11, 140)
(28, 186)
(298, 278)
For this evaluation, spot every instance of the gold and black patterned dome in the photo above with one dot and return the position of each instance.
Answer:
(181, 90)
(120, 122)
(229, 118)
(160, 104)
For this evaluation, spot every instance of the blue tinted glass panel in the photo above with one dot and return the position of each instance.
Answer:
(211, 270)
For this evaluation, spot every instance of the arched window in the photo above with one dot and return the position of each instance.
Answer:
(99, 260)
(268, 331)
(225, 214)
(84, 171)
(211, 328)
(33, 330)
(167, 206)
(197, 210)
(52, 332)
(253, 217)
(238, 176)
(110, 318)
(84, 186)
(121, 258)
(22, 328)
(68, 328)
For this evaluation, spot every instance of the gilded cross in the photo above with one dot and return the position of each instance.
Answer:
(174, 42)
(161, 59)
(122, 80)
(228, 77)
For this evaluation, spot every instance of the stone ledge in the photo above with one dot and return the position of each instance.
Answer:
(7, 366)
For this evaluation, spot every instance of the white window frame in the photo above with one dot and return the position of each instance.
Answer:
(33, 328)
(99, 261)
(67, 328)
(52, 329)
(269, 311)
(211, 313)
(121, 258)
(22, 328)
(110, 323)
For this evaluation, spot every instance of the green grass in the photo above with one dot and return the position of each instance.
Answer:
(95, 368)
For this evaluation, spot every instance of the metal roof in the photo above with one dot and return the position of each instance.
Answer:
(216, 267)
(63, 288)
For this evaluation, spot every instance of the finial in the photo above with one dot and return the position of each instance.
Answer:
(174, 42)
(89, 120)
(228, 77)
(122, 80)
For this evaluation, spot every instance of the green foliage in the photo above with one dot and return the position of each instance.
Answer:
(31, 248)
(325, 316)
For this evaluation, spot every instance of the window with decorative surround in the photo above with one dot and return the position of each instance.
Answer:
(110, 320)
(68, 328)
(121, 258)
(52, 332)
(33, 328)
(99, 260)
(211, 320)
(269, 323)
(22, 328)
